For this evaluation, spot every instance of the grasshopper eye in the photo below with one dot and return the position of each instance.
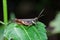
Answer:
(28, 21)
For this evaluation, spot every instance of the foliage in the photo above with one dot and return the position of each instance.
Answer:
(21, 32)
(56, 24)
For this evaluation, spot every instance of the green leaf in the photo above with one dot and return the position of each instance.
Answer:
(1, 32)
(22, 32)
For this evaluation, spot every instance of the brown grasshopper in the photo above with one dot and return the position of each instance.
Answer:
(29, 21)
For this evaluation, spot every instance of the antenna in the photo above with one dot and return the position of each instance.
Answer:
(40, 14)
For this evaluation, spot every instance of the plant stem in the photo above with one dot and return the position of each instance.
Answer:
(5, 11)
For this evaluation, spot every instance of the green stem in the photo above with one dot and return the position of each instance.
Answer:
(5, 11)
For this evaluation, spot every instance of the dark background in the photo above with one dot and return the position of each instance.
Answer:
(33, 9)
(50, 6)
